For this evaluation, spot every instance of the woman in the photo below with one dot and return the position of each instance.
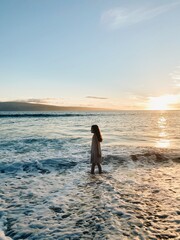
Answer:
(96, 157)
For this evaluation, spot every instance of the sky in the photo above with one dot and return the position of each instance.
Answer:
(119, 54)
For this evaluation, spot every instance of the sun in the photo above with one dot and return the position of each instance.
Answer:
(161, 102)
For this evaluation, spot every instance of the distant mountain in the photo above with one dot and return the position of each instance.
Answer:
(23, 106)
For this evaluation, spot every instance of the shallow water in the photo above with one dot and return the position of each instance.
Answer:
(47, 191)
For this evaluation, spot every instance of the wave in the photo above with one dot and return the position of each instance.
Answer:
(61, 165)
(43, 115)
(43, 166)
(154, 157)
(31, 144)
(141, 158)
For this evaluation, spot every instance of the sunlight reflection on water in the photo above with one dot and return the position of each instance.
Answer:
(163, 141)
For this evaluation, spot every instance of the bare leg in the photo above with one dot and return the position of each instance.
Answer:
(92, 168)
(99, 167)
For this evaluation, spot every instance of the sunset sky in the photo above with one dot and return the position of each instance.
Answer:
(120, 54)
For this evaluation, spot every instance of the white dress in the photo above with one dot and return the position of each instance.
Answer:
(95, 150)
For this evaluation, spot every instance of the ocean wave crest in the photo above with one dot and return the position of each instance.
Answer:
(154, 157)
(43, 166)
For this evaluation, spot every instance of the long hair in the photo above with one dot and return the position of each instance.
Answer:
(96, 130)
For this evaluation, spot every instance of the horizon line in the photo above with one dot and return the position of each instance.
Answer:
(88, 108)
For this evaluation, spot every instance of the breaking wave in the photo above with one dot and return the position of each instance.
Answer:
(43, 166)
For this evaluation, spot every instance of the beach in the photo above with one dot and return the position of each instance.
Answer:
(47, 191)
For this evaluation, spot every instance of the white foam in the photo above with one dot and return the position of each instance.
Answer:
(3, 237)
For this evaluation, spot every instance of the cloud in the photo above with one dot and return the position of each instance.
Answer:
(175, 76)
(93, 97)
(118, 17)
(48, 101)
(176, 83)
(31, 100)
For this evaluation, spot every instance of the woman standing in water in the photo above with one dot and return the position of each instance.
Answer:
(96, 157)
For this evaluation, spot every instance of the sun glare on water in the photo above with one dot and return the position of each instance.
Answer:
(161, 103)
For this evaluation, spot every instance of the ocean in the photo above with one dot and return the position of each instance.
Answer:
(47, 191)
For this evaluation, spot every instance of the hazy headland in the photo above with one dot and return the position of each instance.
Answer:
(24, 106)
